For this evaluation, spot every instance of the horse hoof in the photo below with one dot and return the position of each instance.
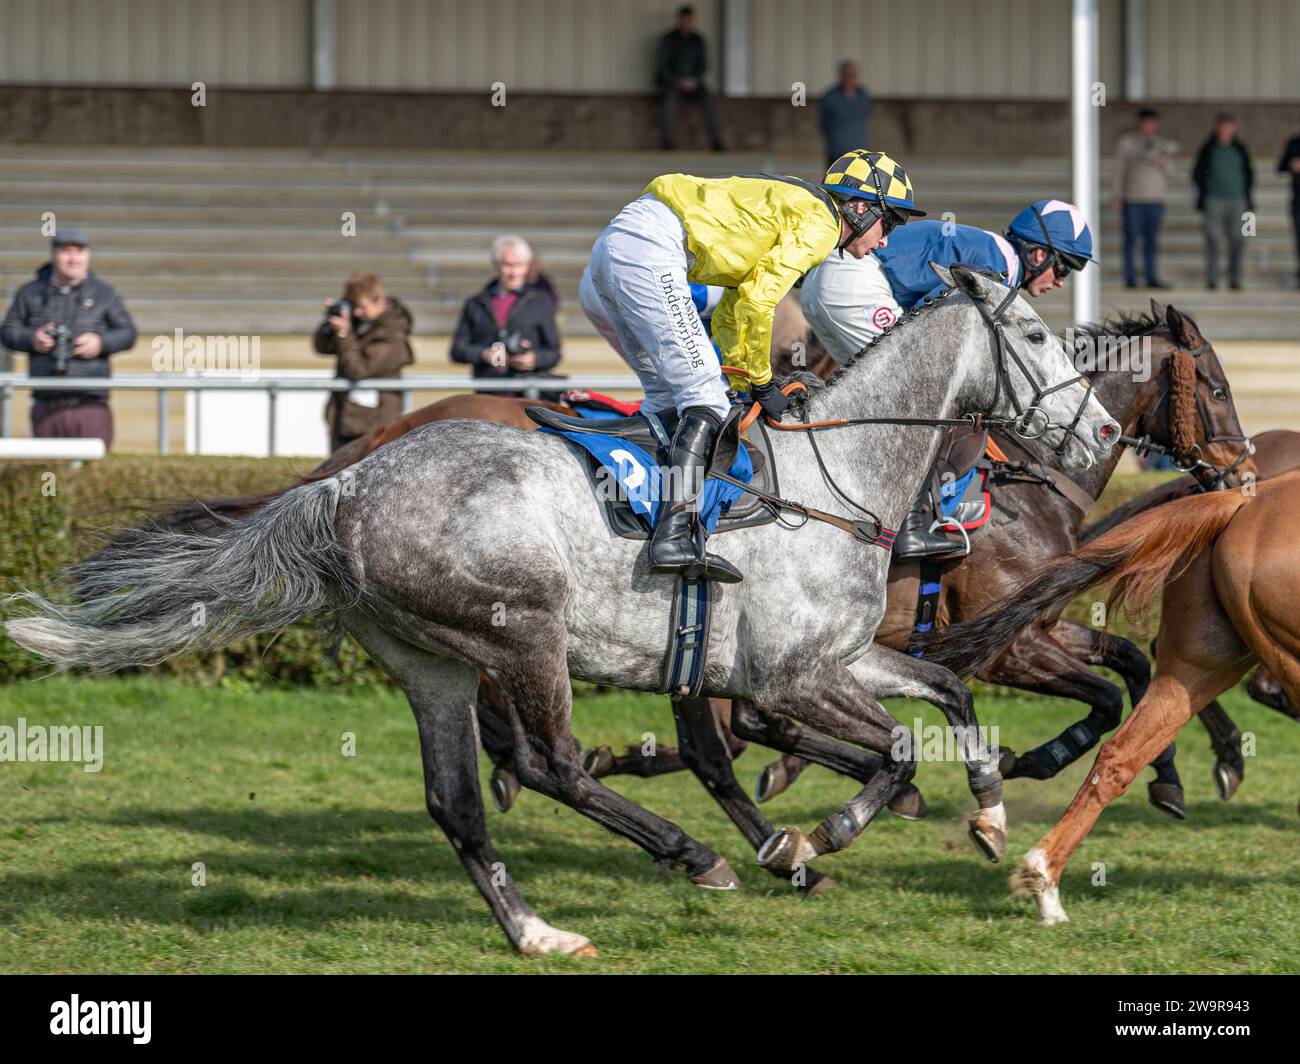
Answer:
(817, 885)
(989, 839)
(540, 938)
(771, 782)
(1168, 798)
(1032, 879)
(598, 762)
(1226, 780)
(786, 849)
(719, 877)
(909, 804)
(504, 788)
(1006, 762)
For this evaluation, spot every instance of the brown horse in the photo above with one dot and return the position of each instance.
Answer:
(1230, 568)
(1277, 452)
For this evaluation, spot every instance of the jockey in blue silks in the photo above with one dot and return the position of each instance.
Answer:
(849, 302)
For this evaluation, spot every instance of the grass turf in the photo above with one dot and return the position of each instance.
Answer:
(317, 862)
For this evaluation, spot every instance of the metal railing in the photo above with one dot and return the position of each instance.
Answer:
(164, 384)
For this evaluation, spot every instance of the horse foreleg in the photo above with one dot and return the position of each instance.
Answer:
(1168, 705)
(1199, 655)
(703, 736)
(831, 699)
(804, 746)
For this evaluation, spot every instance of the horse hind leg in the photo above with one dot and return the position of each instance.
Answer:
(548, 761)
(443, 695)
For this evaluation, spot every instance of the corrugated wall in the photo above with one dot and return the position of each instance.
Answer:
(156, 42)
(1196, 49)
(539, 46)
(1220, 50)
(925, 48)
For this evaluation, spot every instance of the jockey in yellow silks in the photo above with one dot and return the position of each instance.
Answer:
(754, 234)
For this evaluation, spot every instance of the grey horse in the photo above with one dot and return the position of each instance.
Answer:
(469, 545)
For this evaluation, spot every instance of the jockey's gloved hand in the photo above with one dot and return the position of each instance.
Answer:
(771, 398)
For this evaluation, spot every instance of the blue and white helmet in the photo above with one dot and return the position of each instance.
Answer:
(1057, 226)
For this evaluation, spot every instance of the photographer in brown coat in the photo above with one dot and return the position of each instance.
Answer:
(369, 332)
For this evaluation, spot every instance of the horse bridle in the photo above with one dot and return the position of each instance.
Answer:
(1021, 424)
(1210, 477)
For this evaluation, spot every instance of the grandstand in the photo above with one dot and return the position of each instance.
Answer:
(249, 242)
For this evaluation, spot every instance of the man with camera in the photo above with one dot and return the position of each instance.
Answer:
(69, 321)
(508, 329)
(369, 332)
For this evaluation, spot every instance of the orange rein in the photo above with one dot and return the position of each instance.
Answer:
(788, 389)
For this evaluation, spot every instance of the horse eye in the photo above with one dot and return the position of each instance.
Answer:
(1036, 337)
(1220, 394)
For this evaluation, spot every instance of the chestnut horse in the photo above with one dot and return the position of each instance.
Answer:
(1229, 564)
(1276, 452)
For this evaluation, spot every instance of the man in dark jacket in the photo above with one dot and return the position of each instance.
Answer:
(1290, 164)
(508, 329)
(843, 114)
(1224, 179)
(679, 74)
(69, 321)
(370, 335)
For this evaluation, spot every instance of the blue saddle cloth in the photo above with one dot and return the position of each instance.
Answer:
(952, 493)
(638, 477)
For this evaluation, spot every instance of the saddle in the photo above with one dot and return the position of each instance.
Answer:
(654, 434)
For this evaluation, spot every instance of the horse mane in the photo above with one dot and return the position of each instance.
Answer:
(1120, 324)
(922, 308)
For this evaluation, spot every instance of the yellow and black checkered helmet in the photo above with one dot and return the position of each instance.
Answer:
(872, 175)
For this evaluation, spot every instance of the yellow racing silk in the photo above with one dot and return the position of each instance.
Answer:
(755, 235)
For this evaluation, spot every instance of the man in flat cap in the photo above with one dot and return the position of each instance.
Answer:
(69, 321)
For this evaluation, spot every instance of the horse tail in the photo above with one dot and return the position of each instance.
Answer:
(1138, 557)
(159, 593)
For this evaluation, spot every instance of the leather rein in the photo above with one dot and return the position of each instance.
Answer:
(1025, 424)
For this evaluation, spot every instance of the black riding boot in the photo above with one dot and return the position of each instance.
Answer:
(915, 540)
(677, 544)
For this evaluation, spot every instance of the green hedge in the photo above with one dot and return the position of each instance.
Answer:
(53, 515)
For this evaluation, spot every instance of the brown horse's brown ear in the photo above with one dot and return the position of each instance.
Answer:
(1158, 310)
(1182, 328)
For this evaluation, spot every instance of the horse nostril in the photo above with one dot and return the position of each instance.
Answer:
(1107, 432)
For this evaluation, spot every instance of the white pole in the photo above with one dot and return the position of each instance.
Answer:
(1135, 50)
(735, 48)
(323, 17)
(1084, 122)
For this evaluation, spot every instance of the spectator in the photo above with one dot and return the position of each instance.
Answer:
(368, 331)
(683, 60)
(1141, 187)
(541, 281)
(1290, 164)
(508, 329)
(1224, 179)
(69, 322)
(843, 114)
